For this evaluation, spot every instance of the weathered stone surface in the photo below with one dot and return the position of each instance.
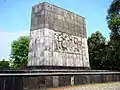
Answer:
(45, 15)
(57, 38)
(55, 81)
(38, 80)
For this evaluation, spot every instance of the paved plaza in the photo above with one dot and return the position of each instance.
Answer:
(103, 86)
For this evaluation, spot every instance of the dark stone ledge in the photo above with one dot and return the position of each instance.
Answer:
(41, 82)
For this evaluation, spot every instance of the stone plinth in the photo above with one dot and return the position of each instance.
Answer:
(40, 80)
(57, 38)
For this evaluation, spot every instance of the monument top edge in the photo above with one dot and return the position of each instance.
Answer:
(43, 3)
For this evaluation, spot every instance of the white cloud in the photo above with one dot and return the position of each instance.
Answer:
(5, 42)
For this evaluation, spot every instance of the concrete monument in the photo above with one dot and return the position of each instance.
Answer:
(57, 38)
(57, 46)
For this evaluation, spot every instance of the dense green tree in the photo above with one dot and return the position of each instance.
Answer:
(4, 64)
(110, 61)
(113, 19)
(96, 45)
(113, 51)
(19, 52)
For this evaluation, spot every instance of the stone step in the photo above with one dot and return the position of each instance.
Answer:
(52, 71)
(58, 73)
(49, 70)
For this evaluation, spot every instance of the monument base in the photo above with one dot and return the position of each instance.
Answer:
(42, 79)
(58, 67)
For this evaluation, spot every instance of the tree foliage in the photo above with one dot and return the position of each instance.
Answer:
(4, 64)
(113, 19)
(96, 45)
(113, 51)
(19, 52)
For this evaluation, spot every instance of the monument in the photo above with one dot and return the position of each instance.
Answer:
(58, 53)
(57, 38)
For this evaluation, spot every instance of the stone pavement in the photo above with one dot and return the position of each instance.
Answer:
(103, 86)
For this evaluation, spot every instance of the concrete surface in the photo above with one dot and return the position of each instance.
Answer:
(102, 86)
(57, 38)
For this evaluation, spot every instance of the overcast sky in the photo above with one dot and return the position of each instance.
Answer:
(15, 16)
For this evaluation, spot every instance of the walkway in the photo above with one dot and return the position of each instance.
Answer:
(104, 86)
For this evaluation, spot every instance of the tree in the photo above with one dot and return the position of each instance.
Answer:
(113, 20)
(4, 64)
(19, 52)
(96, 45)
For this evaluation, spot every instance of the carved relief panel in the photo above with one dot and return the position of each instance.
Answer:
(67, 43)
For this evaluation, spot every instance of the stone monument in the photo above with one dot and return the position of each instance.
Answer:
(57, 38)
(58, 50)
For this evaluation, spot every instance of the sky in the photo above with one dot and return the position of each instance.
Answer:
(15, 17)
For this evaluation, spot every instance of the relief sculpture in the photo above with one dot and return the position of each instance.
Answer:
(67, 43)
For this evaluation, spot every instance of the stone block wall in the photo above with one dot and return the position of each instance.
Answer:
(57, 38)
(42, 82)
